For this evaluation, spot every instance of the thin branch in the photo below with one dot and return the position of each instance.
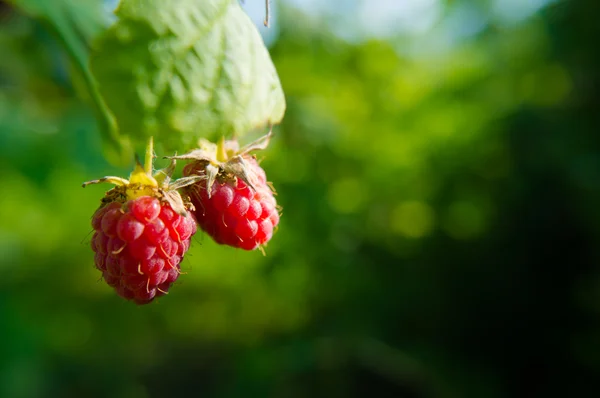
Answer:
(268, 13)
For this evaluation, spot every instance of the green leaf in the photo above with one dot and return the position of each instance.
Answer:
(187, 69)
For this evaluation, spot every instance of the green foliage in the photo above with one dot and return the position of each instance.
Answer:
(80, 20)
(182, 70)
(75, 24)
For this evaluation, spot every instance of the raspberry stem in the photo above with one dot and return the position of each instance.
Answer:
(149, 156)
(221, 152)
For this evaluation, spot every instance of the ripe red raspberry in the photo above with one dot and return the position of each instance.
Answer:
(234, 214)
(233, 202)
(142, 231)
(139, 246)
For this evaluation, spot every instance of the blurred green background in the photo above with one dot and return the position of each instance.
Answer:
(439, 172)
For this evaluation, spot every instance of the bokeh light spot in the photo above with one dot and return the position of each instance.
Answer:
(346, 195)
(412, 219)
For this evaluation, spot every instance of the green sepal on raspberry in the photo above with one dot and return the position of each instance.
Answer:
(142, 230)
(233, 202)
